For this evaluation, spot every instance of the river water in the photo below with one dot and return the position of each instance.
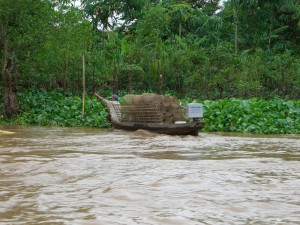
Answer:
(77, 176)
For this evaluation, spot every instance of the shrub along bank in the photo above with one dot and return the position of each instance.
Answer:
(46, 108)
(275, 116)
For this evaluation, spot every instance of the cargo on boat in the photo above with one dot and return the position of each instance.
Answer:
(156, 113)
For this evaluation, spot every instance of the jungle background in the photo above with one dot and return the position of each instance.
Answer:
(193, 49)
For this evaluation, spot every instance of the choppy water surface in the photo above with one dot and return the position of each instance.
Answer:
(92, 176)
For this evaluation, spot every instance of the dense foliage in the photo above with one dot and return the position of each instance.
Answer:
(254, 115)
(55, 109)
(189, 48)
(202, 49)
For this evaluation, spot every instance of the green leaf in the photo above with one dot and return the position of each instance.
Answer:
(280, 30)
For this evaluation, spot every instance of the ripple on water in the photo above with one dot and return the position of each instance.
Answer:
(92, 176)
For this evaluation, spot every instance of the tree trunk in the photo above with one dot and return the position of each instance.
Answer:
(65, 75)
(180, 28)
(160, 84)
(129, 83)
(115, 84)
(160, 79)
(282, 87)
(235, 31)
(270, 34)
(83, 86)
(236, 40)
(10, 79)
(104, 30)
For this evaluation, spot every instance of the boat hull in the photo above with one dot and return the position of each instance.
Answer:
(189, 128)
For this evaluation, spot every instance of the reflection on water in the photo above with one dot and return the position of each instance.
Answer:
(92, 176)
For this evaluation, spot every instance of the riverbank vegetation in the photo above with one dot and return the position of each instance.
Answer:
(192, 49)
(276, 116)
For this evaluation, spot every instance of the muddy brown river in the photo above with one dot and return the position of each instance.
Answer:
(77, 176)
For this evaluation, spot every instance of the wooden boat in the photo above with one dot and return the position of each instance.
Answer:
(151, 117)
(188, 128)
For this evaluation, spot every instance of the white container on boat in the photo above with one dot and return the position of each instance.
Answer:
(180, 122)
(194, 110)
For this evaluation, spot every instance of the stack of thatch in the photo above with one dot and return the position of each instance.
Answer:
(151, 108)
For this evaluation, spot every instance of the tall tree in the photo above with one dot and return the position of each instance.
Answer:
(181, 15)
(208, 6)
(19, 21)
(264, 24)
(39, 39)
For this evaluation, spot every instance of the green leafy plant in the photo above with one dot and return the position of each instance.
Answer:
(276, 116)
(54, 109)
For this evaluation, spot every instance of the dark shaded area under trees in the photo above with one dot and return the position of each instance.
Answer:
(192, 49)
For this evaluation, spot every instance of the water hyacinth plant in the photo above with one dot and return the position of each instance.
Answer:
(276, 116)
(53, 108)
